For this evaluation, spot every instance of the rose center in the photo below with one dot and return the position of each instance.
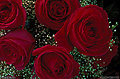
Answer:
(5, 10)
(59, 70)
(6, 49)
(3, 15)
(91, 31)
(58, 9)
(3, 7)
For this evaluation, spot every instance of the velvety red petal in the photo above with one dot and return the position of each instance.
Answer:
(103, 12)
(40, 50)
(49, 60)
(62, 38)
(22, 34)
(37, 69)
(75, 69)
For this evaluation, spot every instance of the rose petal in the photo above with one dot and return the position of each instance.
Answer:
(61, 38)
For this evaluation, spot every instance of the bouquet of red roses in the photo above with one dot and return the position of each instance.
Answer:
(67, 39)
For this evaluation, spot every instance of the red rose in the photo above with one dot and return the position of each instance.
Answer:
(87, 30)
(16, 48)
(53, 13)
(12, 14)
(55, 63)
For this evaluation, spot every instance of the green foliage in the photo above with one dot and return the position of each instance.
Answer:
(86, 65)
(112, 27)
(88, 2)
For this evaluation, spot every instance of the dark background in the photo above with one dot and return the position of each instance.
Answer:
(112, 7)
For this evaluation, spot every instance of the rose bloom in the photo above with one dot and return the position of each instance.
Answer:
(54, 63)
(16, 48)
(53, 13)
(87, 30)
(12, 14)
